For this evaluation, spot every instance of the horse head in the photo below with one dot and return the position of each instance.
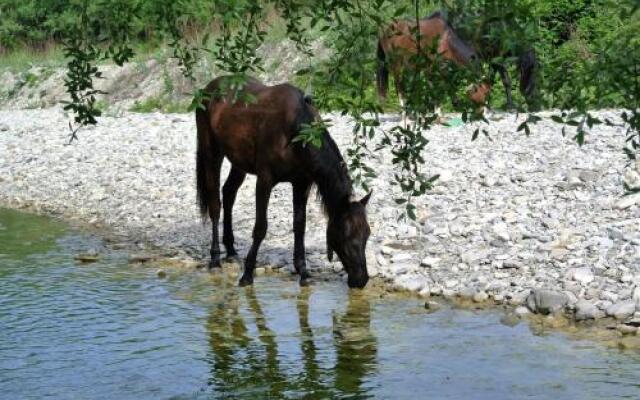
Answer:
(347, 235)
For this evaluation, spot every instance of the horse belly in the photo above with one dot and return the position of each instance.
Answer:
(240, 149)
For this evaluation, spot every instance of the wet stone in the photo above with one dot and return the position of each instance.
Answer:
(622, 310)
(543, 301)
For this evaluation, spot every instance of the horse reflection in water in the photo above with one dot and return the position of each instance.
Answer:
(355, 345)
(245, 365)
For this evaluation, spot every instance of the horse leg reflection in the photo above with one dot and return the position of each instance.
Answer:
(311, 382)
(227, 336)
(270, 368)
(356, 346)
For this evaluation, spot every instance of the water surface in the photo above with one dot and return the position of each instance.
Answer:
(109, 330)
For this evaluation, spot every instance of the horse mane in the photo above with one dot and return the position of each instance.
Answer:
(326, 165)
(436, 14)
(466, 52)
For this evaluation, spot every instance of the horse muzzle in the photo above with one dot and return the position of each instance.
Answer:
(357, 282)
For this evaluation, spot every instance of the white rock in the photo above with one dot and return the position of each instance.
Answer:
(400, 268)
(587, 310)
(480, 297)
(636, 297)
(381, 260)
(583, 275)
(450, 283)
(409, 282)
(401, 258)
(628, 201)
(430, 262)
(632, 179)
(622, 309)
(386, 250)
(501, 231)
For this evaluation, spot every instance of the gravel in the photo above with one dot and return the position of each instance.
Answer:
(511, 218)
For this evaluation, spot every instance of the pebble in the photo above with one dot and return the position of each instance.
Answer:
(626, 329)
(410, 282)
(583, 275)
(501, 231)
(430, 262)
(515, 228)
(86, 258)
(480, 297)
(140, 258)
(431, 305)
(161, 273)
(628, 201)
(401, 258)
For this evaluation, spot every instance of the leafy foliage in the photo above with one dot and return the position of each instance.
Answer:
(589, 57)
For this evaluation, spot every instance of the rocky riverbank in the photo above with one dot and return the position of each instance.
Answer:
(535, 222)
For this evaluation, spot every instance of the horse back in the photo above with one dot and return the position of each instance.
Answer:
(400, 36)
(255, 132)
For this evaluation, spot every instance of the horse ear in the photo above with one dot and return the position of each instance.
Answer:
(365, 199)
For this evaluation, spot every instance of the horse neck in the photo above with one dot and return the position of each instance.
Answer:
(330, 175)
(460, 49)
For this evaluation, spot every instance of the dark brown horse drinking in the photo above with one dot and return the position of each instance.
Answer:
(255, 134)
(398, 44)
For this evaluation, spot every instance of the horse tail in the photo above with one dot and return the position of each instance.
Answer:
(527, 63)
(382, 75)
(203, 159)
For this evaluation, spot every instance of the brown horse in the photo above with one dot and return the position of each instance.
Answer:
(398, 43)
(254, 131)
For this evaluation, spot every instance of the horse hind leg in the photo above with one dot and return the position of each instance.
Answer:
(229, 191)
(208, 163)
(214, 206)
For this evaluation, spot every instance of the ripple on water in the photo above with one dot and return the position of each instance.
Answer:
(107, 330)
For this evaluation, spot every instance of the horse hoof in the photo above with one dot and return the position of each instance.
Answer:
(214, 265)
(245, 282)
(232, 259)
(306, 282)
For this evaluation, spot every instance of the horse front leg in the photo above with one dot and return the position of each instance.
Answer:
(300, 196)
(263, 192)
(229, 191)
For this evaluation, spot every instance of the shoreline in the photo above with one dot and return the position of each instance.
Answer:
(602, 331)
(501, 227)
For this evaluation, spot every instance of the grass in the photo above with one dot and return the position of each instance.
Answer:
(24, 58)
(153, 104)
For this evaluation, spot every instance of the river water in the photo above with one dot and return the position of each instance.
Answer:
(109, 330)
